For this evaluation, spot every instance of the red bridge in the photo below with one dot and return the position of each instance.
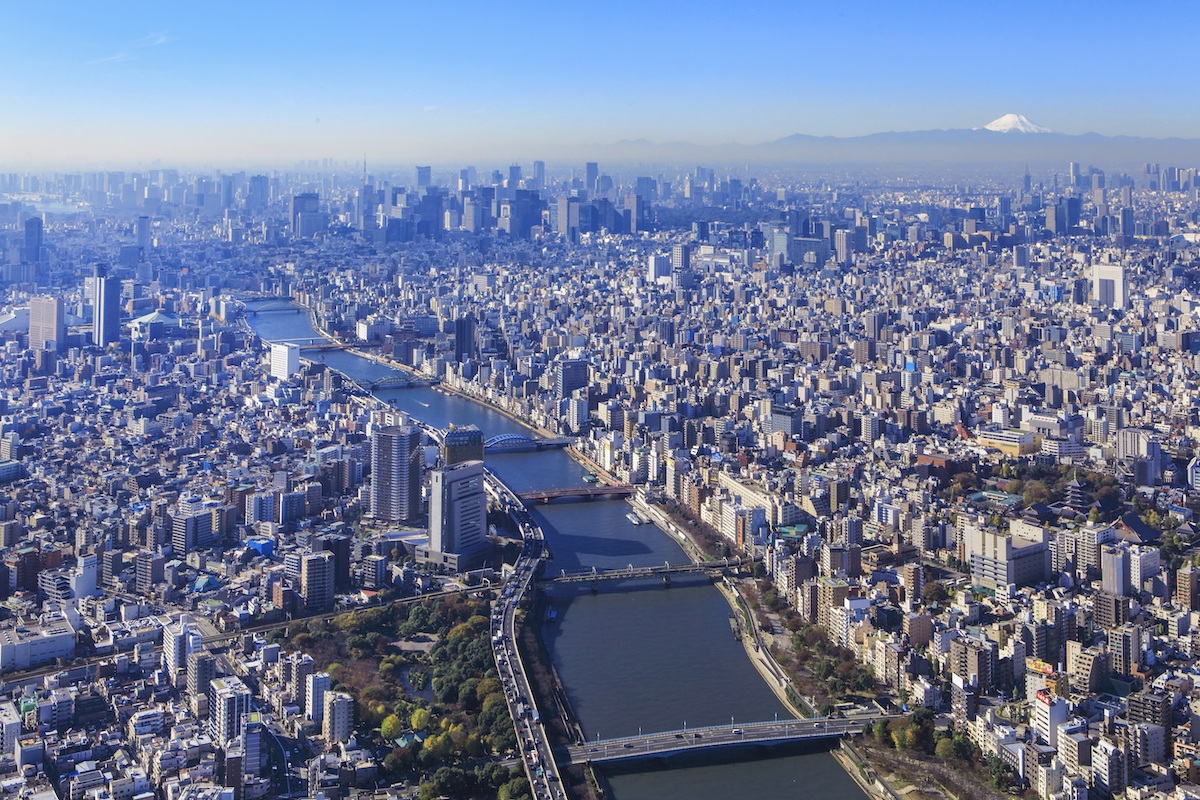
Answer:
(576, 493)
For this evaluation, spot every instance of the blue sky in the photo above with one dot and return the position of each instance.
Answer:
(218, 82)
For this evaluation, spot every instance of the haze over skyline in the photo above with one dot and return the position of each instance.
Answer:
(249, 83)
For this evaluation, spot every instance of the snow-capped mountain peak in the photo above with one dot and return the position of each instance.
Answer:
(1014, 123)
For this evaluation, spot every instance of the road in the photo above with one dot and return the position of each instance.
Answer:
(532, 741)
(667, 743)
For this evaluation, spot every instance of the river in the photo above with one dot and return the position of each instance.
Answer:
(635, 656)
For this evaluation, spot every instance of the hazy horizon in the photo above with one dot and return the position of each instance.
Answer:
(244, 84)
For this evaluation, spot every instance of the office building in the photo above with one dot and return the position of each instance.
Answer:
(1108, 285)
(143, 235)
(572, 375)
(285, 360)
(47, 324)
(32, 250)
(458, 509)
(338, 724)
(464, 338)
(106, 326)
(1048, 713)
(424, 177)
(259, 194)
(396, 461)
(307, 218)
(462, 444)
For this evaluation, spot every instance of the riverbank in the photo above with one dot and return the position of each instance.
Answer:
(488, 404)
(858, 770)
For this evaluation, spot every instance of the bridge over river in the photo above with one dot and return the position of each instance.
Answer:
(670, 743)
(516, 443)
(575, 493)
(664, 571)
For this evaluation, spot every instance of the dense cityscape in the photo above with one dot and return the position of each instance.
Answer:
(933, 438)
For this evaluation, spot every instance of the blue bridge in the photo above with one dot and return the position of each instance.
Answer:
(518, 443)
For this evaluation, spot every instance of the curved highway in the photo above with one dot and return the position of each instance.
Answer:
(540, 766)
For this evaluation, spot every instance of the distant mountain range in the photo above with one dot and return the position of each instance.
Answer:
(1011, 141)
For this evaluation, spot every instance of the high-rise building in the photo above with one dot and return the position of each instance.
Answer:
(32, 251)
(374, 572)
(143, 236)
(1108, 285)
(458, 509)
(464, 338)
(285, 360)
(462, 444)
(572, 375)
(591, 176)
(47, 324)
(260, 193)
(106, 327)
(1153, 708)
(339, 545)
(191, 533)
(252, 734)
(307, 218)
(201, 669)
(396, 460)
(424, 177)
(1114, 570)
(338, 724)
(149, 570)
(318, 685)
(10, 728)
(317, 581)
(681, 257)
(228, 703)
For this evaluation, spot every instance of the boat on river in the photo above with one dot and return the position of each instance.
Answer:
(635, 519)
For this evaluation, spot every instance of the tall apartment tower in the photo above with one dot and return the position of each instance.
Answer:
(458, 509)
(228, 702)
(316, 580)
(396, 459)
(47, 324)
(106, 327)
(339, 717)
